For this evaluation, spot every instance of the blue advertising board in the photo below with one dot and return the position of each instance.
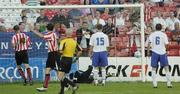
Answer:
(38, 47)
(37, 58)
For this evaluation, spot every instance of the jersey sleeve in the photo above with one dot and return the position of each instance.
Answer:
(13, 40)
(48, 37)
(28, 40)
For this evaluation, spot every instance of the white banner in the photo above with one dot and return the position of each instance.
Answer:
(129, 68)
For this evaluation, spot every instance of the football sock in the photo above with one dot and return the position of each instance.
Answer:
(103, 74)
(67, 81)
(47, 78)
(62, 87)
(29, 74)
(154, 78)
(168, 76)
(95, 74)
(21, 73)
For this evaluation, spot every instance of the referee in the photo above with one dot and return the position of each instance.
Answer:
(20, 43)
(68, 47)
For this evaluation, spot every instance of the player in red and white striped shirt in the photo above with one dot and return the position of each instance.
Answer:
(21, 42)
(53, 56)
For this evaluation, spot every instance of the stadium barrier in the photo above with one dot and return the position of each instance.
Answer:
(129, 69)
(119, 69)
(37, 58)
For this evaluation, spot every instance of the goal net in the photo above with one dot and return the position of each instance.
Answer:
(124, 24)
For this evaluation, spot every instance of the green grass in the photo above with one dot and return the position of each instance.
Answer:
(110, 88)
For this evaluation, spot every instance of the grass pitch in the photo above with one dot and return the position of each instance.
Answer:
(110, 88)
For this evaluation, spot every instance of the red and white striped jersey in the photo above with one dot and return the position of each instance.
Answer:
(51, 38)
(21, 41)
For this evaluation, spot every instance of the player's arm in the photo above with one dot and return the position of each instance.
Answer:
(90, 51)
(166, 42)
(107, 44)
(13, 43)
(148, 46)
(79, 51)
(91, 47)
(38, 34)
(61, 47)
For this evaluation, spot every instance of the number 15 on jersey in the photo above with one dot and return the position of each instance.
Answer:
(100, 41)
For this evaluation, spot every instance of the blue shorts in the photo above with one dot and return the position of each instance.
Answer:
(99, 59)
(155, 58)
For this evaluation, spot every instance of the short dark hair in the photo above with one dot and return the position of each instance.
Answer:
(84, 22)
(99, 26)
(16, 28)
(158, 26)
(23, 17)
(21, 23)
(50, 27)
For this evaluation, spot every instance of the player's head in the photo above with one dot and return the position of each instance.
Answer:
(158, 27)
(99, 27)
(69, 32)
(50, 27)
(16, 28)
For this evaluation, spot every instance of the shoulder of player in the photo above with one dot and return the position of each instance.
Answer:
(66, 39)
(23, 34)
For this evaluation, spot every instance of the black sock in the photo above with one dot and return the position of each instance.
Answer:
(62, 87)
(69, 82)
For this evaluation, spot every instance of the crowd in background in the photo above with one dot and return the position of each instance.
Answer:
(122, 25)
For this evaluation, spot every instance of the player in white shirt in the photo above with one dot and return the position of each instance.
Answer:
(99, 43)
(159, 43)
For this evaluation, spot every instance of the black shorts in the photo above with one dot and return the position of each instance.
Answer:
(21, 57)
(52, 60)
(65, 64)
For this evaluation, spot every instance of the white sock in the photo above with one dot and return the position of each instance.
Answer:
(154, 78)
(95, 75)
(168, 75)
(103, 74)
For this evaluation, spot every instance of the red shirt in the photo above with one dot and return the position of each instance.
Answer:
(52, 41)
(21, 41)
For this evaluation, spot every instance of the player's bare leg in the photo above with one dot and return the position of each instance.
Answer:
(21, 72)
(46, 81)
(154, 77)
(29, 73)
(168, 77)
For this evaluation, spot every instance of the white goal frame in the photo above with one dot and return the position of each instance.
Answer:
(141, 6)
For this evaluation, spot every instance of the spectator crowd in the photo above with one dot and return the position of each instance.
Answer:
(122, 25)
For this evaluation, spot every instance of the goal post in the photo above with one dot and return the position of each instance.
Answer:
(142, 34)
